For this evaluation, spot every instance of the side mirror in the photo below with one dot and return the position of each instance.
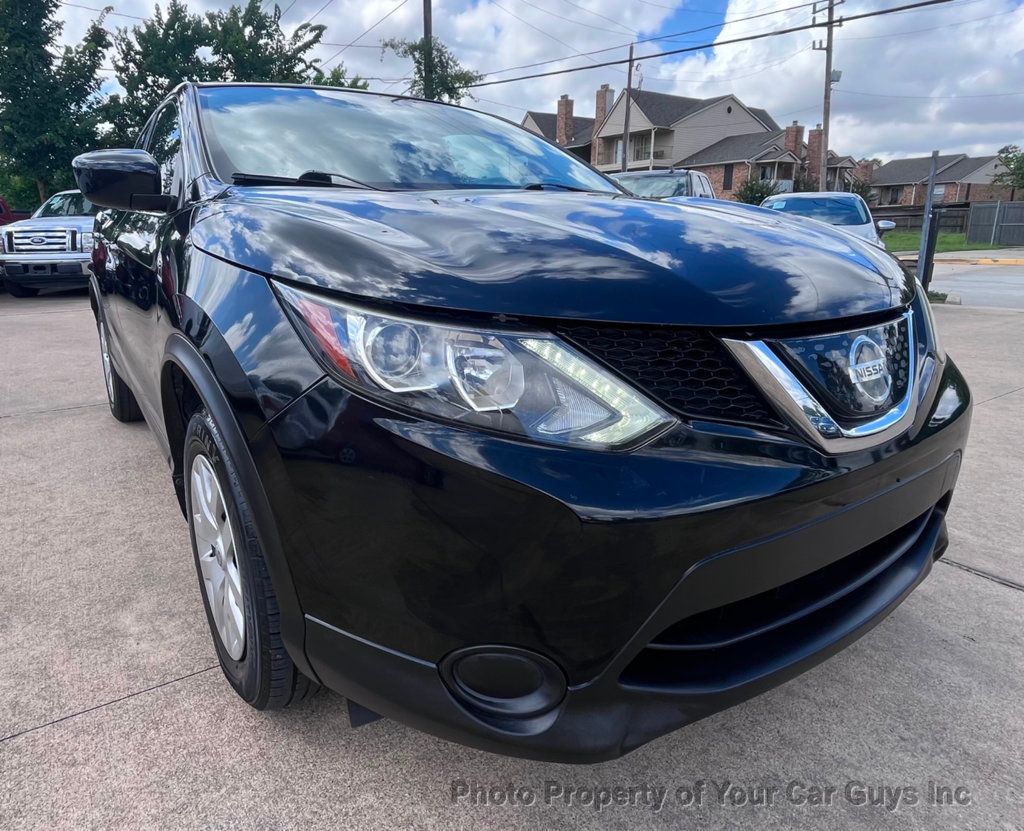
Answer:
(127, 180)
(886, 225)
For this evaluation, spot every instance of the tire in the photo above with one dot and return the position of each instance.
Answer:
(121, 399)
(18, 290)
(252, 655)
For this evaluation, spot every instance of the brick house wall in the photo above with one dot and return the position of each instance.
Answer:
(716, 174)
(916, 195)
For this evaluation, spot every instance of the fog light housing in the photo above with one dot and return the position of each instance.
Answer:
(503, 682)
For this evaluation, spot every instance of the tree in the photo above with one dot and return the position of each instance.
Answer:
(49, 98)
(755, 191)
(805, 182)
(249, 45)
(450, 79)
(338, 77)
(239, 44)
(1012, 158)
(862, 189)
(151, 59)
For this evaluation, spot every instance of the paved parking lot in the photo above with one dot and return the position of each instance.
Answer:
(113, 714)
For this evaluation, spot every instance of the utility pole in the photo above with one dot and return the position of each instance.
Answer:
(826, 47)
(924, 251)
(625, 117)
(428, 49)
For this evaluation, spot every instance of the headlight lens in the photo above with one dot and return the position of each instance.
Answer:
(929, 337)
(87, 240)
(527, 384)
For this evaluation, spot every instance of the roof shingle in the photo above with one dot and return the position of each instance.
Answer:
(910, 171)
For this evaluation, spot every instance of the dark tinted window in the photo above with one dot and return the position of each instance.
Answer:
(165, 145)
(66, 204)
(727, 177)
(385, 142)
(833, 210)
(658, 186)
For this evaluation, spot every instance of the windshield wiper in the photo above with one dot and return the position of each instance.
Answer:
(559, 185)
(316, 178)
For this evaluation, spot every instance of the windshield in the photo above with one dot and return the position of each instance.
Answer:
(383, 142)
(66, 204)
(835, 211)
(660, 186)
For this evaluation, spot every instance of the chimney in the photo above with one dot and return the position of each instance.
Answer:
(865, 170)
(814, 153)
(564, 126)
(794, 139)
(605, 96)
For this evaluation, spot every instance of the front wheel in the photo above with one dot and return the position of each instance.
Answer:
(18, 290)
(121, 399)
(241, 606)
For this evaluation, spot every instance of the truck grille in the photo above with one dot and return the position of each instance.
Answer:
(36, 242)
(687, 370)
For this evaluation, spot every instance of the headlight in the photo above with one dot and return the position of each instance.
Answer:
(928, 339)
(527, 384)
(87, 240)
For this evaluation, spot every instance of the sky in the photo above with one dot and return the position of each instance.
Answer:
(947, 77)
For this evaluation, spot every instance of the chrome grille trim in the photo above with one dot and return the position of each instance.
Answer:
(52, 241)
(806, 413)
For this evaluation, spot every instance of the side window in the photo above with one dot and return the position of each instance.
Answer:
(727, 177)
(164, 145)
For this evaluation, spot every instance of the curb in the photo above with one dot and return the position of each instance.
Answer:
(1018, 261)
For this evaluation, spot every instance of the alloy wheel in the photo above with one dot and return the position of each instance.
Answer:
(218, 561)
(108, 370)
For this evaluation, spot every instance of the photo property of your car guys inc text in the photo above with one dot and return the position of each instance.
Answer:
(511, 414)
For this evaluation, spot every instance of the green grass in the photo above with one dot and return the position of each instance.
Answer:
(911, 241)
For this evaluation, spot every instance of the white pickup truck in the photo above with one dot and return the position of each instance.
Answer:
(52, 249)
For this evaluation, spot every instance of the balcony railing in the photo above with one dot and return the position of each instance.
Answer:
(637, 154)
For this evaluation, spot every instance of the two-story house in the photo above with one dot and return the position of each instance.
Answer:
(721, 136)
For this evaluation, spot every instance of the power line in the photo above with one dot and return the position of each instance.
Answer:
(598, 14)
(929, 97)
(651, 39)
(744, 39)
(580, 22)
(538, 29)
(359, 37)
(930, 28)
(316, 13)
(94, 9)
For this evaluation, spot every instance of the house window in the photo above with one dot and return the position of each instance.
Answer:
(727, 177)
(641, 147)
(895, 194)
(939, 192)
(766, 173)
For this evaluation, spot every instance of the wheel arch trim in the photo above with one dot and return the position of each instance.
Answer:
(182, 354)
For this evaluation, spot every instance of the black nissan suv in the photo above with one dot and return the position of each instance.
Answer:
(466, 433)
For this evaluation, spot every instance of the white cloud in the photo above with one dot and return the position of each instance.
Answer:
(972, 48)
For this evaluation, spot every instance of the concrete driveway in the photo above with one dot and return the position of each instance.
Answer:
(998, 286)
(113, 713)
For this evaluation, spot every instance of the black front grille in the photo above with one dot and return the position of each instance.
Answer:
(686, 370)
(823, 361)
(728, 646)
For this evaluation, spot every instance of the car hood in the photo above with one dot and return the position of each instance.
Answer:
(75, 223)
(554, 254)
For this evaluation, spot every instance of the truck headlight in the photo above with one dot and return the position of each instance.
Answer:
(530, 384)
(86, 240)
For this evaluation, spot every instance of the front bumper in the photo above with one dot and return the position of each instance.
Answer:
(66, 270)
(667, 583)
